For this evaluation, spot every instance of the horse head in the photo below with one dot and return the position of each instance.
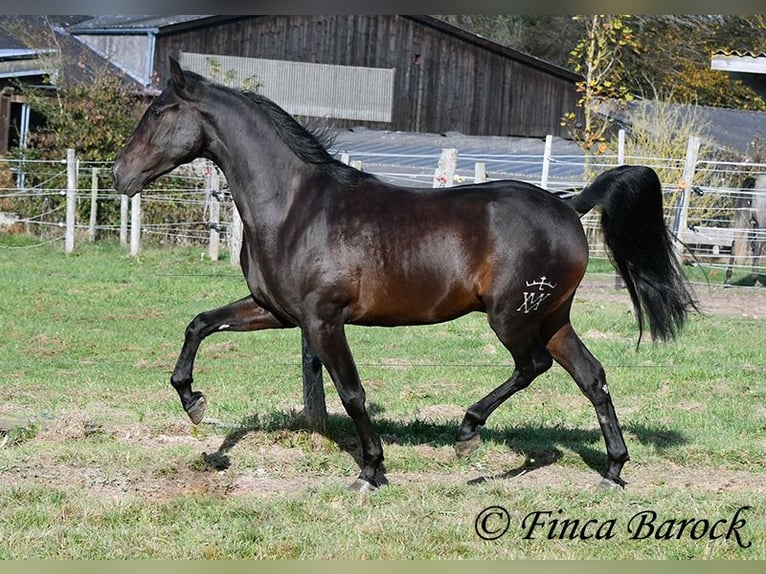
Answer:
(170, 133)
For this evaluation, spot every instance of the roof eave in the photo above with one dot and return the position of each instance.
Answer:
(731, 63)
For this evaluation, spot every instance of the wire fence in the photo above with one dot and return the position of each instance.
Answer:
(709, 206)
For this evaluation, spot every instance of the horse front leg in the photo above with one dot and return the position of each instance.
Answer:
(242, 315)
(328, 340)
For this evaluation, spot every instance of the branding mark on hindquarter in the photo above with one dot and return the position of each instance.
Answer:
(534, 298)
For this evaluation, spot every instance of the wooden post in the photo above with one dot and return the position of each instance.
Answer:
(444, 176)
(682, 217)
(71, 200)
(621, 147)
(314, 406)
(135, 225)
(123, 220)
(235, 235)
(479, 172)
(93, 204)
(546, 161)
(618, 282)
(214, 185)
(355, 163)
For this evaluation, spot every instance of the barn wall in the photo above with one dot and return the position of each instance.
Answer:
(443, 82)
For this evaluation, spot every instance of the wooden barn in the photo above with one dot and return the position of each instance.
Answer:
(407, 73)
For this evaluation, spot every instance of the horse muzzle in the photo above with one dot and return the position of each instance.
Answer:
(125, 182)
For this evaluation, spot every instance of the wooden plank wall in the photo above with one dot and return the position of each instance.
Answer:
(443, 82)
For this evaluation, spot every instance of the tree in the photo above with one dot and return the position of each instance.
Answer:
(598, 56)
(674, 58)
(671, 55)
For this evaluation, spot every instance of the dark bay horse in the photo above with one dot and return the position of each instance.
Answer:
(327, 245)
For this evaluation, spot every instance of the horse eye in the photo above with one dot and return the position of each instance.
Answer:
(156, 112)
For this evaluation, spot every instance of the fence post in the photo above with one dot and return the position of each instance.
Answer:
(479, 172)
(546, 161)
(235, 235)
(621, 147)
(214, 186)
(444, 176)
(123, 220)
(314, 406)
(135, 225)
(680, 223)
(93, 204)
(618, 282)
(71, 200)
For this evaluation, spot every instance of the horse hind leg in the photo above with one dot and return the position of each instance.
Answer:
(531, 360)
(589, 375)
(242, 315)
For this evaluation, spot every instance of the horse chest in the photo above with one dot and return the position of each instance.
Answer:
(270, 290)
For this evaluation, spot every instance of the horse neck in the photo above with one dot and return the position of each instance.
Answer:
(262, 173)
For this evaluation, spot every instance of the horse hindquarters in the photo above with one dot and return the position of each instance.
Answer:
(529, 299)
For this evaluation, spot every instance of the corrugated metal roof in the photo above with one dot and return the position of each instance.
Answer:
(725, 128)
(739, 54)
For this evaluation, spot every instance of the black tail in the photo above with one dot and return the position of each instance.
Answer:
(640, 246)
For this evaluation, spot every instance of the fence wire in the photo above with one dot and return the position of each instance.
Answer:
(180, 214)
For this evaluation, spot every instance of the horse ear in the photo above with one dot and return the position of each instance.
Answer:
(177, 74)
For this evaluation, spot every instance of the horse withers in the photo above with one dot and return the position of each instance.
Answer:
(325, 245)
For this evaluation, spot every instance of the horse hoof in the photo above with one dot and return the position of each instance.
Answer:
(465, 447)
(362, 486)
(612, 483)
(196, 410)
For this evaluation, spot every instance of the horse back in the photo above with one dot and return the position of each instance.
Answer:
(420, 256)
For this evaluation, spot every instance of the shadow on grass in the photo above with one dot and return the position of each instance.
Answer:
(540, 446)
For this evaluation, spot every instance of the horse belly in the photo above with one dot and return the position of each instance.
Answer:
(390, 311)
(421, 296)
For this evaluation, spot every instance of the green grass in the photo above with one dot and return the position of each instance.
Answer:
(102, 463)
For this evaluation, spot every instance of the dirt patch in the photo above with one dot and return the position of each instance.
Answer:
(210, 472)
(741, 302)
(441, 413)
(73, 425)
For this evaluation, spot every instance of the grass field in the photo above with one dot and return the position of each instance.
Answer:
(99, 461)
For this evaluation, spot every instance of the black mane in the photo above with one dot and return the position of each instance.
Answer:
(309, 145)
